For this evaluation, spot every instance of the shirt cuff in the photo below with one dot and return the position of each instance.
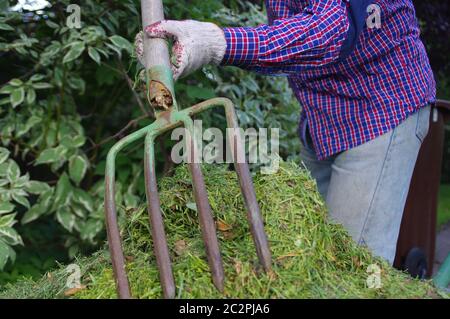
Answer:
(242, 46)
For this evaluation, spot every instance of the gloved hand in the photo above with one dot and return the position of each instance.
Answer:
(196, 44)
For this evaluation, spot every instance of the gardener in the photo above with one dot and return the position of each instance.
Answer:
(364, 81)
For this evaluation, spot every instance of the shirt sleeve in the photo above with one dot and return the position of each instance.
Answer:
(311, 38)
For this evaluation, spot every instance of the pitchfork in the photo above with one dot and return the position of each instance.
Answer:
(160, 93)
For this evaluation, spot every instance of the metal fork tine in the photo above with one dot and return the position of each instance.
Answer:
(208, 227)
(154, 209)
(207, 223)
(254, 216)
(112, 227)
(115, 246)
(248, 191)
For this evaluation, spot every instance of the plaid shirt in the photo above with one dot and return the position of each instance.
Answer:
(347, 98)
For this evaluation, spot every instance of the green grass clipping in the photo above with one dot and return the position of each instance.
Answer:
(312, 258)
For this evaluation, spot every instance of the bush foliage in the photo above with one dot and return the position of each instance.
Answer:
(68, 94)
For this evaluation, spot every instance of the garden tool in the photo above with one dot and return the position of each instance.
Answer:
(161, 95)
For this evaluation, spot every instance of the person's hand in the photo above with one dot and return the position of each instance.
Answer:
(195, 44)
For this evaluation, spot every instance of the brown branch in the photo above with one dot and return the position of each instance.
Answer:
(119, 134)
(135, 94)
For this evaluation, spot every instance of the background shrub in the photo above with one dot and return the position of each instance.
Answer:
(68, 94)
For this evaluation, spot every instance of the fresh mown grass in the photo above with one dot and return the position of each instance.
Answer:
(444, 205)
(311, 257)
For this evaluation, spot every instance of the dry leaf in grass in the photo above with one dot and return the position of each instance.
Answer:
(288, 255)
(229, 235)
(238, 266)
(222, 226)
(291, 183)
(356, 261)
(284, 226)
(272, 275)
(73, 291)
(180, 247)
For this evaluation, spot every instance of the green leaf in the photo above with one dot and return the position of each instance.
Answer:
(4, 254)
(4, 101)
(23, 129)
(76, 49)
(32, 214)
(115, 49)
(131, 200)
(42, 86)
(17, 96)
(90, 229)
(16, 82)
(3, 168)
(73, 251)
(6, 89)
(37, 77)
(10, 236)
(13, 171)
(50, 54)
(51, 24)
(78, 166)
(12, 255)
(4, 154)
(51, 135)
(8, 220)
(22, 200)
(77, 83)
(65, 218)
(78, 210)
(84, 199)
(93, 53)
(58, 76)
(36, 187)
(73, 142)
(45, 200)
(33, 120)
(121, 43)
(51, 155)
(31, 96)
(22, 180)
(6, 208)
(6, 27)
(63, 190)
(192, 206)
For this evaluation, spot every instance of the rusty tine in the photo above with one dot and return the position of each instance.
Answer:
(161, 96)
(154, 208)
(248, 191)
(207, 223)
(112, 227)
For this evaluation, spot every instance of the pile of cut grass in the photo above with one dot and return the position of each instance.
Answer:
(311, 257)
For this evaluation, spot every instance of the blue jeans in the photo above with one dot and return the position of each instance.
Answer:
(365, 188)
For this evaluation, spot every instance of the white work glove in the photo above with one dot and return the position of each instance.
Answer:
(195, 44)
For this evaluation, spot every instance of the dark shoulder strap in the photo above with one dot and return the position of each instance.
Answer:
(357, 14)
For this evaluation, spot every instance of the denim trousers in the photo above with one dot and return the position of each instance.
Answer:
(365, 188)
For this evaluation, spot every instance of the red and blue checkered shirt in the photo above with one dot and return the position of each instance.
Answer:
(347, 99)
